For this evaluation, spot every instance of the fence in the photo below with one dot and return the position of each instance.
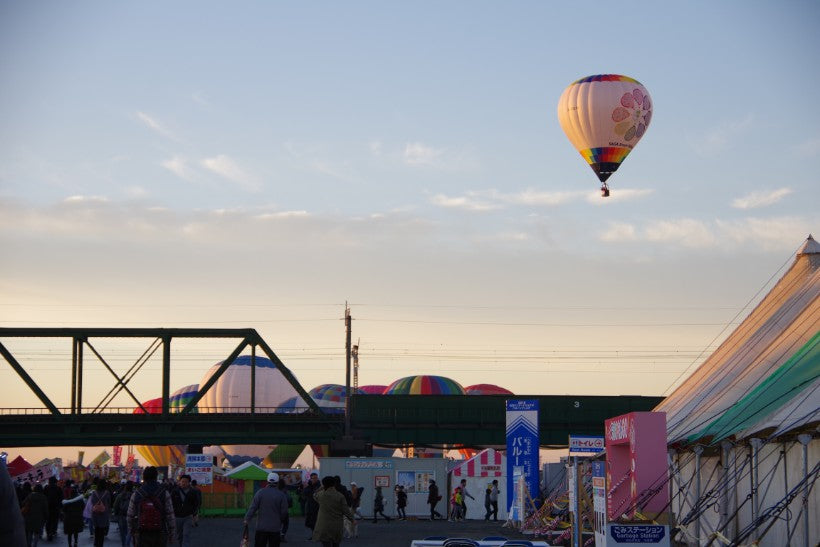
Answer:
(232, 504)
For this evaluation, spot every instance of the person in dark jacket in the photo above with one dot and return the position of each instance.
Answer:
(120, 511)
(151, 489)
(35, 514)
(272, 506)
(186, 509)
(311, 506)
(378, 506)
(432, 499)
(101, 511)
(73, 505)
(401, 502)
(54, 495)
(12, 527)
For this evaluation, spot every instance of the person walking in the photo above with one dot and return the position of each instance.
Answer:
(464, 495)
(272, 506)
(378, 506)
(494, 500)
(151, 520)
(356, 494)
(433, 498)
(186, 509)
(12, 525)
(333, 509)
(285, 521)
(54, 495)
(119, 510)
(401, 502)
(35, 514)
(73, 522)
(100, 512)
(311, 506)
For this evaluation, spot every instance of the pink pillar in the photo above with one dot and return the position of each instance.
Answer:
(636, 464)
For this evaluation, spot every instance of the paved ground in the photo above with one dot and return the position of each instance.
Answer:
(227, 532)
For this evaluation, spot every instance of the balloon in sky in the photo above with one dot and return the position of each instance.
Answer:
(604, 117)
(487, 389)
(424, 385)
(232, 393)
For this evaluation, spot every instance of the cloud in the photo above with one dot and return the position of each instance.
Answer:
(540, 198)
(809, 148)
(770, 234)
(719, 138)
(760, 199)
(79, 199)
(416, 153)
(227, 168)
(466, 203)
(179, 166)
(618, 195)
(154, 125)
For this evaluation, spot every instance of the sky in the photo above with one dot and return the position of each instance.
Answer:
(260, 164)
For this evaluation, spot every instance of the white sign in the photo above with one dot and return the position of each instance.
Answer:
(585, 444)
(200, 467)
(637, 535)
(368, 464)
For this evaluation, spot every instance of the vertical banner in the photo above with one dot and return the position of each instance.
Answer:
(522, 444)
(200, 468)
(599, 501)
(117, 455)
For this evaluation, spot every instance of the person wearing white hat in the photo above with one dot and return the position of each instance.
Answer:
(272, 505)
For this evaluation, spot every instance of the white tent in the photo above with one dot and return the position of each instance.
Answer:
(743, 428)
(479, 471)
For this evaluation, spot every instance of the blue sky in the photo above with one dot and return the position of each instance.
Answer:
(257, 164)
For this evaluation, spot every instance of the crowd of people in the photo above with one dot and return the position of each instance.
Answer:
(153, 513)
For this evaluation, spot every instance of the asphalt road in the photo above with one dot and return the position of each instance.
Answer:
(227, 532)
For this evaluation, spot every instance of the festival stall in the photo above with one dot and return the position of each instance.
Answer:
(480, 471)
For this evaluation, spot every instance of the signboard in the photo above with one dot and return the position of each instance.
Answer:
(599, 502)
(522, 444)
(637, 535)
(117, 455)
(381, 480)
(200, 467)
(585, 444)
(368, 464)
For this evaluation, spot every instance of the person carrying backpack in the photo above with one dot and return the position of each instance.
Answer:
(120, 511)
(151, 520)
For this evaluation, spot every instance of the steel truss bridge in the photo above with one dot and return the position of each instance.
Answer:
(393, 420)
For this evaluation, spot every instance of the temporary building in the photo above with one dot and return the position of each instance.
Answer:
(479, 471)
(744, 447)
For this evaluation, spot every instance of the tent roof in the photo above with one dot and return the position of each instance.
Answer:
(487, 463)
(18, 465)
(248, 471)
(784, 321)
(787, 382)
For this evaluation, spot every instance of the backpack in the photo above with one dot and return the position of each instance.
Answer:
(150, 512)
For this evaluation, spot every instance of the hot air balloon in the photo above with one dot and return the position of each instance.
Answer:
(604, 117)
(232, 393)
(159, 455)
(487, 389)
(372, 390)
(424, 385)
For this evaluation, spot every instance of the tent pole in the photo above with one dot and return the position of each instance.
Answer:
(725, 446)
(698, 450)
(754, 445)
(804, 440)
(786, 485)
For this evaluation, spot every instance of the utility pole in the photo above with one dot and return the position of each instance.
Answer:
(348, 350)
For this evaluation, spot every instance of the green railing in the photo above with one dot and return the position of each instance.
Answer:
(235, 504)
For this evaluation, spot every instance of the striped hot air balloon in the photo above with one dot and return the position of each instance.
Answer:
(487, 389)
(424, 385)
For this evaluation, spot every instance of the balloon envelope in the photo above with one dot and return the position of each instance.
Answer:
(487, 389)
(424, 385)
(372, 390)
(232, 393)
(604, 116)
(159, 455)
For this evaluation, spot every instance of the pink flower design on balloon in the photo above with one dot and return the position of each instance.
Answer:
(633, 115)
